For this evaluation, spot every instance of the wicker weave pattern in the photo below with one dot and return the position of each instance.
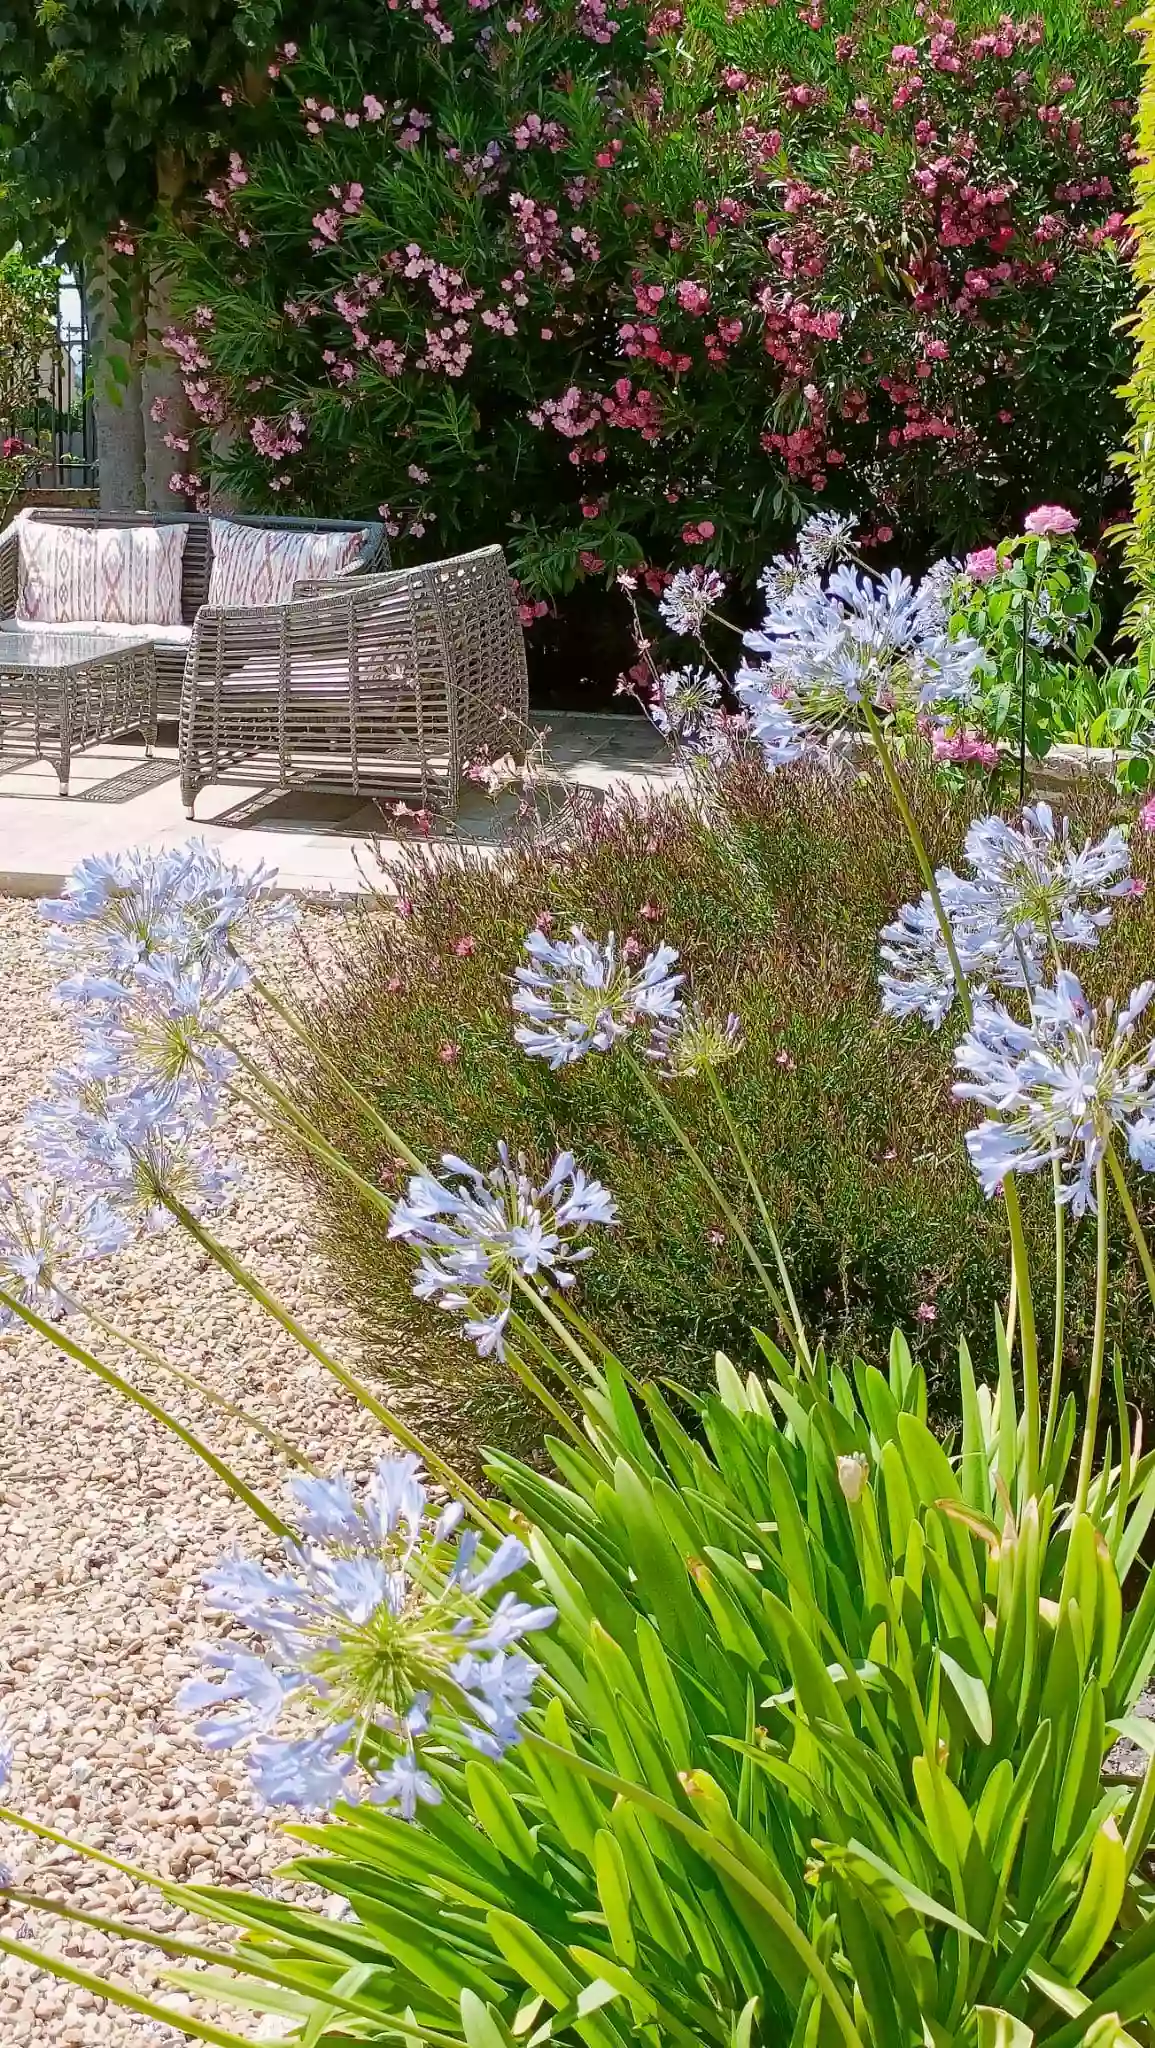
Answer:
(385, 686)
(50, 712)
(487, 668)
(9, 571)
(196, 567)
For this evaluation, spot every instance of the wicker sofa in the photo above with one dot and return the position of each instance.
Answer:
(171, 644)
(387, 685)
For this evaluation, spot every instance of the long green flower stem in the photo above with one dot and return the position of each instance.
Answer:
(132, 2001)
(1060, 1319)
(1025, 617)
(202, 1901)
(283, 1445)
(1138, 1233)
(918, 844)
(541, 1350)
(724, 1859)
(246, 1963)
(1098, 1346)
(365, 1395)
(1028, 1339)
(188, 1437)
(721, 1199)
(524, 1372)
(557, 1324)
(404, 1151)
(313, 1045)
(294, 1123)
(731, 1123)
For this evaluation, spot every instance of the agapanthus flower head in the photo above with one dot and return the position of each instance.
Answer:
(1052, 520)
(769, 721)
(694, 1041)
(1058, 1087)
(164, 1030)
(684, 706)
(917, 975)
(877, 640)
(478, 1232)
(1032, 883)
(311, 1773)
(688, 596)
(580, 996)
(377, 1617)
(1031, 890)
(824, 539)
(130, 1146)
(187, 902)
(935, 592)
(1047, 626)
(48, 1236)
(784, 577)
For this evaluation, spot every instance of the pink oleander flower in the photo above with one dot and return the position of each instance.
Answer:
(982, 564)
(1147, 815)
(965, 746)
(1052, 520)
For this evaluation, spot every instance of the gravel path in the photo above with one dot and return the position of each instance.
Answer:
(106, 1524)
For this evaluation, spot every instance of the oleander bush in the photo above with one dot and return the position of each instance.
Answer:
(775, 904)
(604, 280)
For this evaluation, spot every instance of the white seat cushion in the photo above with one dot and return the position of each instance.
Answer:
(310, 675)
(105, 629)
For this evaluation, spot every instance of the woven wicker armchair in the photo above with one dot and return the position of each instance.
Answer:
(171, 644)
(384, 685)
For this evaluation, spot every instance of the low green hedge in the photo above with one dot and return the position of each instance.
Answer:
(775, 912)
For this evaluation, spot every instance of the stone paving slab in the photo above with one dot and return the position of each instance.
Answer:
(321, 843)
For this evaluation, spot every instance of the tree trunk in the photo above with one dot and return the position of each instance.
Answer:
(116, 395)
(222, 496)
(165, 408)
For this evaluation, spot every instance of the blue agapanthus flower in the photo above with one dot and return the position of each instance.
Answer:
(1032, 889)
(580, 995)
(379, 1615)
(477, 1231)
(1059, 1087)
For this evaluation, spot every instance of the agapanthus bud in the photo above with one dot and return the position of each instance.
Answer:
(853, 1475)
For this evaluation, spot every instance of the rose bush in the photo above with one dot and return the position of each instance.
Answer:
(607, 282)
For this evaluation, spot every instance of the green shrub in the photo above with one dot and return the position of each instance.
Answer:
(600, 290)
(775, 905)
(815, 1758)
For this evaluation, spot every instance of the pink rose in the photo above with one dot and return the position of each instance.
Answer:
(1053, 520)
(982, 564)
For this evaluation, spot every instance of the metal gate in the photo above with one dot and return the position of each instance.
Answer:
(63, 427)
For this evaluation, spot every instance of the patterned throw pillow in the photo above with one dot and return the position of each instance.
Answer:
(125, 575)
(259, 565)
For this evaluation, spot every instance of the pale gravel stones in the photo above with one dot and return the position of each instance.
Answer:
(106, 1523)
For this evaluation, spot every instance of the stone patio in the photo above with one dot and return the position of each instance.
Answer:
(320, 843)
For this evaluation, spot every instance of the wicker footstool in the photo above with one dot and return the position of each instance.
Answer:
(60, 692)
